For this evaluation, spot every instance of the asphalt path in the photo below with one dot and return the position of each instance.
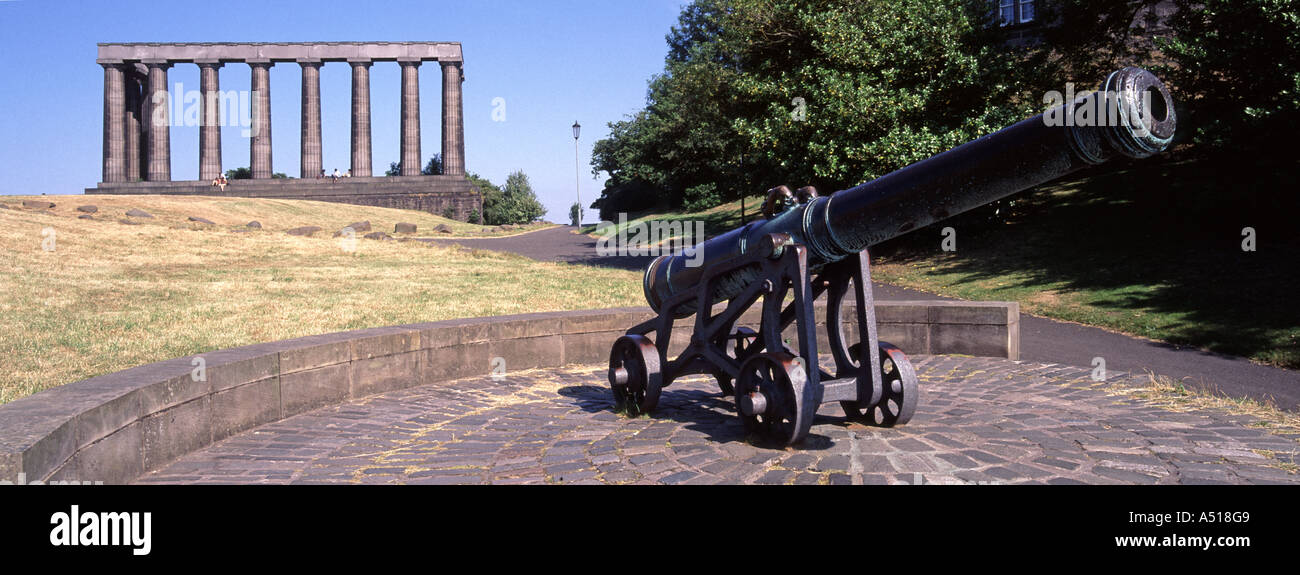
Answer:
(1041, 339)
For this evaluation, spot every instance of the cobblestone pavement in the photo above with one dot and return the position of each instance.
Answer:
(980, 420)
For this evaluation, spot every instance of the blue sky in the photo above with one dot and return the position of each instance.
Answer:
(552, 61)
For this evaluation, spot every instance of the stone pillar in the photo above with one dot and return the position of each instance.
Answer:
(158, 132)
(410, 118)
(260, 141)
(114, 124)
(135, 155)
(311, 138)
(210, 121)
(453, 121)
(361, 118)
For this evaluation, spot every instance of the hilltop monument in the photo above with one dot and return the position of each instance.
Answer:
(138, 118)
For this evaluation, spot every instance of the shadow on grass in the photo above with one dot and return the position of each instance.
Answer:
(1158, 241)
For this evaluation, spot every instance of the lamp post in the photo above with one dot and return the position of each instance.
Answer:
(577, 190)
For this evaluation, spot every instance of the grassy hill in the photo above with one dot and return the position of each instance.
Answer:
(108, 296)
(274, 215)
(717, 220)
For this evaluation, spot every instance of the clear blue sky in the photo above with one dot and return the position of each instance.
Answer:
(552, 61)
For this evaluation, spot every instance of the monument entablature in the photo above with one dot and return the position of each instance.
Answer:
(226, 52)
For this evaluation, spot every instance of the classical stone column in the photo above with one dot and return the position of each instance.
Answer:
(360, 118)
(311, 138)
(410, 118)
(210, 120)
(453, 121)
(159, 122)
(260, 140)
(134, 123)
(114, 124)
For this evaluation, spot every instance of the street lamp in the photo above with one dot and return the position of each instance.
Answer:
(577, 129)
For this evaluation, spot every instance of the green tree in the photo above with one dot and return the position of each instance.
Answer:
(575, 214)
(520, 203)
(434, 167)
(1236, 73)
(394, 169)
(493, 200)
(757, 93)
(244, 173)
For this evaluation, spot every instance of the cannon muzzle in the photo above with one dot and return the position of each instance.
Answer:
(1130, 115)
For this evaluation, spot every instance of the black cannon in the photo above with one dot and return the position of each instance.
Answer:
(810, 245)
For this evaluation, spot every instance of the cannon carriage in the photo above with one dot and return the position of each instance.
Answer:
(809, 245)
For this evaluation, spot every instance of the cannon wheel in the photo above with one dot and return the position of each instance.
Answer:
(739, 344)
(897, 401)
(634, 375)
(770, 398)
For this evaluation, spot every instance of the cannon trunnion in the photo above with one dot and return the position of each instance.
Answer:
(811, 246)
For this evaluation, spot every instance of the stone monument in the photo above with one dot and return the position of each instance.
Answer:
(137, 122)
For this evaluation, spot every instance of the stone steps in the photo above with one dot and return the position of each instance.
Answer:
(433, 194)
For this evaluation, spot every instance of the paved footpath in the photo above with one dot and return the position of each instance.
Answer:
(1041, 339)
(980, 420)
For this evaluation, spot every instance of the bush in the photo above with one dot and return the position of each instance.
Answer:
(701, 197)
(636, 196)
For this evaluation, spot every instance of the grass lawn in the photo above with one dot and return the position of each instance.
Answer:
(1153, 250)
(717, 220)
(112, 296)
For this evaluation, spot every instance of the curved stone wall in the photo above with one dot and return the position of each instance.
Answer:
(116, 427)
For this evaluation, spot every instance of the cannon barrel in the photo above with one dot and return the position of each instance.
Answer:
(1131, 115)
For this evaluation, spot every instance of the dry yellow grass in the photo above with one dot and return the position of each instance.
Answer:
(274, 215)
(1167, 393)
(111, 296)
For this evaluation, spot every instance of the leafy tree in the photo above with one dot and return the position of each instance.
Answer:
(493, 200)
(575, 214)
(474, 217)
(1236, 73)
(520, 203)
(701, 197)
(757, 93)
(434, 167)
(245, 173)
(449, 213)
